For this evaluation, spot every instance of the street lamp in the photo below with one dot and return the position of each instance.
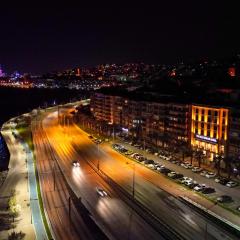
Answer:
(133, 180)
(206, 227)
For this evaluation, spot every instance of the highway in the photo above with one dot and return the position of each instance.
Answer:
(55, 198)
(165, 206)
(116, 219)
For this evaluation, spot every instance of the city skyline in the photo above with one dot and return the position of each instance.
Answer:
(62, 37)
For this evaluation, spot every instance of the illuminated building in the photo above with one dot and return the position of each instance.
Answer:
(78, 74)
(234, 134)
(232, 72)
(152, 122)
(209, 130)
(1, 72)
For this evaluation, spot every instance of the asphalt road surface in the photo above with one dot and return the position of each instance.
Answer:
(116, 219)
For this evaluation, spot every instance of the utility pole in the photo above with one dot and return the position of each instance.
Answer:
(69, 210)
(206, 227)
(133, 190)
(54, 176)
(98, 163)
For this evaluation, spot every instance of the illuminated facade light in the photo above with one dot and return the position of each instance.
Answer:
(209, 129)
(232, 72)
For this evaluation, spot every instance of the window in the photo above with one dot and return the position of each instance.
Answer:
(196, 111)
(215, 135)
(215, 113)
(208, 133)
(224, 114)
(209, 112)
(202, 118)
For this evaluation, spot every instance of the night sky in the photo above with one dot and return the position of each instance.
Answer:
(51, 37)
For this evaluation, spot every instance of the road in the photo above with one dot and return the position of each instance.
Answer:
(116, 219)
(164, 205)
(56, 195)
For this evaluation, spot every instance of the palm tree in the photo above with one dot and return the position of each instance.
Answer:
(218, 159)
(199, 156)
(228, 165)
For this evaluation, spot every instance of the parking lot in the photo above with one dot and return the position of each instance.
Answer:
(188, 176)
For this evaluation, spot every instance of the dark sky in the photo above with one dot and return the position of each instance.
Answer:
(53, 37)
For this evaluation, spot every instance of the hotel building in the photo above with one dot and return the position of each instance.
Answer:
(209, 130)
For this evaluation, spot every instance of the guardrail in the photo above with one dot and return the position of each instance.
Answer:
(227, 225)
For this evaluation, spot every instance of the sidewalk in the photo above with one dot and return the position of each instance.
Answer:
(21, 179)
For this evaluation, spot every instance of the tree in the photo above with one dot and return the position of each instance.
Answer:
(228, 165)
(199, 156)
(218, 159)
(14, 207)
(16, 235)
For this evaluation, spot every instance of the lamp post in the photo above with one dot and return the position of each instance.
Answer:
(206, 227)
(133, 180)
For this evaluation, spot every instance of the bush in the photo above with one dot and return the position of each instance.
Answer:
(16, 235)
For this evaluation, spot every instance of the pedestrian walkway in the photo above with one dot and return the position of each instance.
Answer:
(21, 179)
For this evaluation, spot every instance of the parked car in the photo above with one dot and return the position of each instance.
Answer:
(199, 187)
(224, 181)
(171, 174)
(218, 179)
(177, 176)
(160, 167)
(129, 152)
(238, 208)
(208, 190)
(187, 166)
(196, 169)
(210, 175)
(148, 161)
(185, 179)
(203, 173)
(231, 184)
(140, 158)
(224, 199)
(135, 155)
(165, 171)
(189, 182)
(193, 185)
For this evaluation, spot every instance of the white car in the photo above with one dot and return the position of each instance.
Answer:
(101, 192)
(171, 174)
(203, 173)
(188, 166)
(199, 187)
(76, 163)
(231, 184)
(210, 175)
(196, 169)
(189, 182)
(186, 179)
(160, 167)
